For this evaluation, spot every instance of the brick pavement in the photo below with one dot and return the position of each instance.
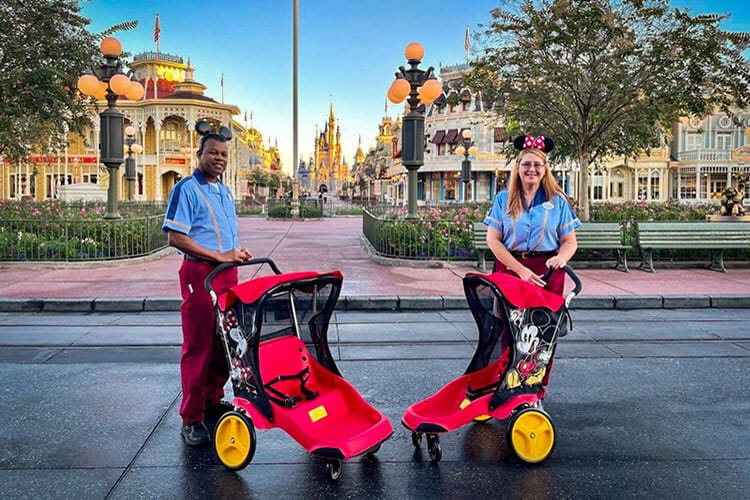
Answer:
(335, 243)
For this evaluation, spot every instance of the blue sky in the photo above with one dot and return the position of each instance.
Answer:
(348, 50)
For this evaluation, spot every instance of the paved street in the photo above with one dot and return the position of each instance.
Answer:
(647, 403)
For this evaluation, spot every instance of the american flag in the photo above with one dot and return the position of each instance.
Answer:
(157, 29)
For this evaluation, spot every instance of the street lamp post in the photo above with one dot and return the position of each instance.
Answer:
(107, 81)
(130, 160)
(418, 87)
(466, 148)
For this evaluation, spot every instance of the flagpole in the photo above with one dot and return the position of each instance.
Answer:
(467, 44)
(157, 32)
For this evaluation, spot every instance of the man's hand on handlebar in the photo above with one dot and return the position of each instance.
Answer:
(236, 255)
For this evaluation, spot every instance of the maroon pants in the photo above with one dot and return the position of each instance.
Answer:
(203, 365)
(556, 282)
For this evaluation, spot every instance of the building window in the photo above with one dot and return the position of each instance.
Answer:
(598, 191)
(693, 141)
(54, 181)
(655, 185)
(687, 187)
(617, 187)
(92, 178)
(22, 185)
(724, 140)
(450, 186)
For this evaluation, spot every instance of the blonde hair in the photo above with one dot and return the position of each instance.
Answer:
(549, 184)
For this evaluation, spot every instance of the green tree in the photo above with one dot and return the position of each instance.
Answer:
(608, 77)
(44, 47)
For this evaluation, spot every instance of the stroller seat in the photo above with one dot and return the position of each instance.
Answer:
(329, 417)
(285, 371)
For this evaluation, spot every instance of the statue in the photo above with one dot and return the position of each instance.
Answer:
(731, 197)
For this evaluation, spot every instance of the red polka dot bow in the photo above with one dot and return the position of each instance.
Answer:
(534, 142)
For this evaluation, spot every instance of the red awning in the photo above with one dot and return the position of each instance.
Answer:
(439, 137)
(452, 136)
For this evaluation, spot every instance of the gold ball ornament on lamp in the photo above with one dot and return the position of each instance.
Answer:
(111, 46)
(120, 84)
(135, 92)
(101, 92)
(429, 91)
(400, 89)
(88, 84)
(414, 51)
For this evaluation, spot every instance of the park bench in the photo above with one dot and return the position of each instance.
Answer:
(713, 236)
(591, 235)
(604, 236)
(480, 244)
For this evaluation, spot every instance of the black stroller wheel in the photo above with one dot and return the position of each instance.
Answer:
(333, 468)
(433, 448)
(416, 439)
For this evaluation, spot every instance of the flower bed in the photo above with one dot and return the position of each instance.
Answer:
(57, 231)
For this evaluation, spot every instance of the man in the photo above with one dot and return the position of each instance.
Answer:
(201, 223)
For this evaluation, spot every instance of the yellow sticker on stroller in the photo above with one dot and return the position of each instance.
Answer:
(318, 413)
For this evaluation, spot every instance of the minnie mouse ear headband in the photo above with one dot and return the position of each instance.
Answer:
(544, 144)
(204, 130)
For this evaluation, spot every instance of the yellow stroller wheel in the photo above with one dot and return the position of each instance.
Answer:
(234, 440)
(531, 435)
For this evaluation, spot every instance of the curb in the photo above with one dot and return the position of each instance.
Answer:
(397, 303)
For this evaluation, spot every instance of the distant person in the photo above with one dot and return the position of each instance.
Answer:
(201, 223)
(531, 225)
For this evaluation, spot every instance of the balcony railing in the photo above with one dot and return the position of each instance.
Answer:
(704, 155)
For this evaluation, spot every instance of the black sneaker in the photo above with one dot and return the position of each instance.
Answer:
(195, 434)
(215, 412)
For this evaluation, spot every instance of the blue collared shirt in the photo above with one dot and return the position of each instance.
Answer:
(538, 228)
(204, 211)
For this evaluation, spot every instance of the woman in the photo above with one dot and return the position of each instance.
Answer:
(531, 225)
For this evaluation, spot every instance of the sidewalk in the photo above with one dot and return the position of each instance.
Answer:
(335, 243)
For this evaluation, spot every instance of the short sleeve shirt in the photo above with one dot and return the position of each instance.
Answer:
(538, 228)
(204, 211)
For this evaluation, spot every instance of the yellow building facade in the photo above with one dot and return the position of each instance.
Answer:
(164, 121)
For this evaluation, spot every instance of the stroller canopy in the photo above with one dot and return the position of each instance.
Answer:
(250, 291)
(522, 294)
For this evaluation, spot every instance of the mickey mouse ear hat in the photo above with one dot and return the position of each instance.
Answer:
(204, 130)
(539, 142)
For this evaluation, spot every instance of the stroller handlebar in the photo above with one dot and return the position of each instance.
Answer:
(228, 265)
(573, 276)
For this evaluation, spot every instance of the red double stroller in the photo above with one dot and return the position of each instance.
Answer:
(519, 324)
(267, 325)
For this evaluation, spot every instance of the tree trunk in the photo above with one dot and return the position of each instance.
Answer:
(584, 158)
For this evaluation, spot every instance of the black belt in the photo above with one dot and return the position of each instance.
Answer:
(198, 259)
(531, 255)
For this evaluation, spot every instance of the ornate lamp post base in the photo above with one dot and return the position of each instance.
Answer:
(112, 212)
(295, 199)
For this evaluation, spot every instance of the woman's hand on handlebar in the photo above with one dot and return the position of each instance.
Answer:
(527, 275)
(556, 262)
(236, 255)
